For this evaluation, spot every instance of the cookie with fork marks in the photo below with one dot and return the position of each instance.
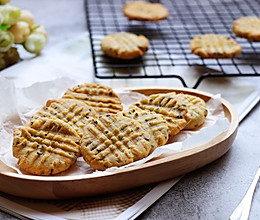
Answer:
(145, 11)
(101, 97)
(74, 112)
(154, 123)
(113, 140)
(166, 105)
(46, 146)
(215, 46)
(124, 45)
(247, 27)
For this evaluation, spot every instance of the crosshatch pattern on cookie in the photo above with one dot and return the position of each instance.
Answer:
(101, 97)
(196, 109)
(215, 46)
(247, 27)
(114, 140)
(145, 11)
(166, 105)
(74, 112)
(46, 146)
(124, 45)
(154, 123)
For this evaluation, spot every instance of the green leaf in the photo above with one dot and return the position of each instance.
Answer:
(4, 27)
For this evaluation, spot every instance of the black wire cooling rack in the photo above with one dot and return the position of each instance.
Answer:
(169, 39)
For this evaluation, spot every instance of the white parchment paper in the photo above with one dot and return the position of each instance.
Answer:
(19, 104)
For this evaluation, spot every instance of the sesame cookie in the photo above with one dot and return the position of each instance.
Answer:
(114, 140)
(74, 112)
(247, 27)
(145, 11)
(100, 97)
(46, 146)
(124, 45)
(166, 105)
(196, 110)
(154, 123)
(215, 46)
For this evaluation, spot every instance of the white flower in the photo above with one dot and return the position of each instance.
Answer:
(10, 14)
(35, 42)
(27, 17)
(20, 30)
(6, 40)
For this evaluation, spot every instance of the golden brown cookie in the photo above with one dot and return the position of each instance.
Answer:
(124, 45)
(215, 46)
(114, 140)
(145, 11)
(101, 97)
(154, 123)
(46, 146)
(166, 105)
(247, 27)
(74, 112)
(196, 109)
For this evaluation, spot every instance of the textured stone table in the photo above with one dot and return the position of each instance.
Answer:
(211, 192)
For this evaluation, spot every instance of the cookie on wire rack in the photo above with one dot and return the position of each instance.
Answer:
(113, 140)
(145, 11)
(46, 146)
(124, 45)
(247, 27)
(100, 97)
(215, 46)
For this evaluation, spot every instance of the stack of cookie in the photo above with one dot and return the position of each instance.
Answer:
(50, 142)
(89, 120)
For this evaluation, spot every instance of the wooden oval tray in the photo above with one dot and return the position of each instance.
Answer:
(58, 187)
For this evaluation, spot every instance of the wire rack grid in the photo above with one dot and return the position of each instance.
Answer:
(169, 39)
